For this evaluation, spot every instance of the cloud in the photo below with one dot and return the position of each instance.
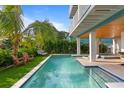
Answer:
(27, 21)
(59, 26)
(1, 7)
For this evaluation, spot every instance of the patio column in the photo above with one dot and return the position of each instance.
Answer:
(92, 46)
(78, 46)
(97, 43)
(118, 45)
(114, 46)
(122, 41)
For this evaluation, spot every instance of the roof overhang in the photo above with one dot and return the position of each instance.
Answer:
(98, 16)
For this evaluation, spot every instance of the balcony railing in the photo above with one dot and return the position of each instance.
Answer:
(81, 11)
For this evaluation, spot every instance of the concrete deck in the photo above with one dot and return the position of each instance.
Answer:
(115, 85)
(112, 66)
(117, 70)
(85, 61)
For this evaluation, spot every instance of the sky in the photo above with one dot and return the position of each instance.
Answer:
(58, 15)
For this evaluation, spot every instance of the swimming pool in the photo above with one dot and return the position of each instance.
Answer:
(63, 71)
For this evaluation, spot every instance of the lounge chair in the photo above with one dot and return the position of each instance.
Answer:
(110, 56)
(41, 52)
(18, 61)
(122, 56)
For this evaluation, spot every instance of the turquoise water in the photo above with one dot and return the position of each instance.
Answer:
(63, 71)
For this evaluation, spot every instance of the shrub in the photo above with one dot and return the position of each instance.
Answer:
(30, 51)
(60, 46)
(102, 48)
(85, 48)
(20, 52)
(7, 43)
(5, 57)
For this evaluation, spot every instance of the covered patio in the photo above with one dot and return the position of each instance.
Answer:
(113, 30)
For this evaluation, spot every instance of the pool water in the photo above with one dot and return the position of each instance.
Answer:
(63, 71)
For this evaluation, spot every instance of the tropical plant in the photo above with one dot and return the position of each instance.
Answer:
(30, 51)
(5, 57)
(62, 35)
(28, 42)
(85, 48)
(60, 46)
(11, 25)
(41, 32)
(103, 48)
(6, 43)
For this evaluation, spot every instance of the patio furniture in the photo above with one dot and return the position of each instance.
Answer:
(122, 56)
(41, 52)
(110, 56)
(18, 61)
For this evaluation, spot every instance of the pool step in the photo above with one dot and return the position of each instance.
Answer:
(101, 77)
(106, 76)
(99, 80)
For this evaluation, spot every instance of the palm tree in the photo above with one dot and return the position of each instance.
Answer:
(42, 32)
(11, 25)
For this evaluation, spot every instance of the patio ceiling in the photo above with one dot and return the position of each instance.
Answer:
(110, 30)
(95, 17)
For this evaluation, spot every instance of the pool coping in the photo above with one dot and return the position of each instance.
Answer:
(20, 82)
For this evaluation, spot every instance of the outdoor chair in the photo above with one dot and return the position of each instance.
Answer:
(41, 52)
(122, 56)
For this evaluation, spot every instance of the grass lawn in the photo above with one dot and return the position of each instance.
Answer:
(11, 75)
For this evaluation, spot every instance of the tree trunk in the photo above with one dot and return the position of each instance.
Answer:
(15, 47)
(15, 50)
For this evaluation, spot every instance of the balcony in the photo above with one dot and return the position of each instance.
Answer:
(91, 17)
(72, 10)
(81, 11)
